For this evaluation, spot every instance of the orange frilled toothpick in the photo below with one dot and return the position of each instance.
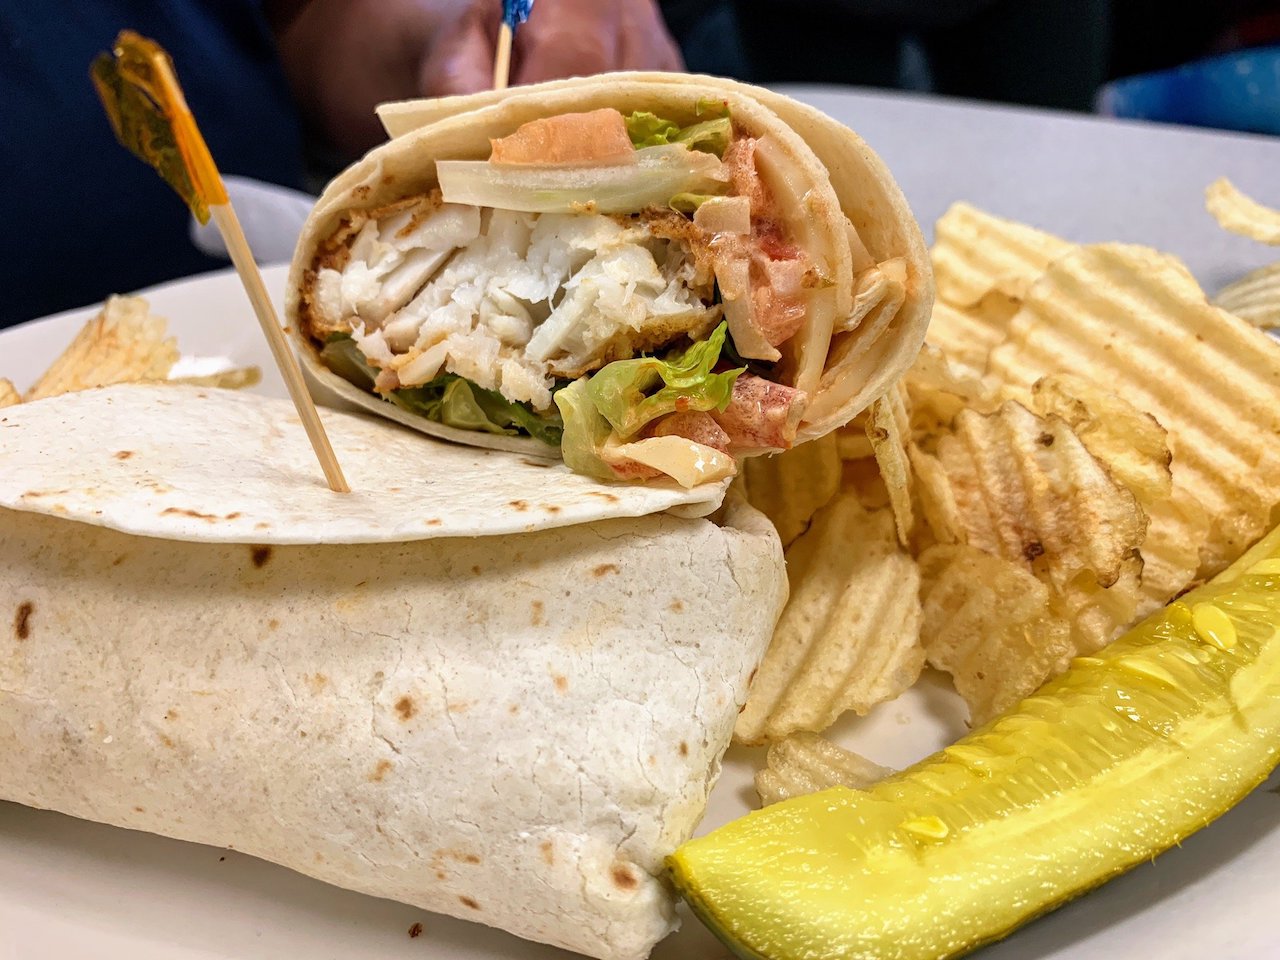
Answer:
(149, 114)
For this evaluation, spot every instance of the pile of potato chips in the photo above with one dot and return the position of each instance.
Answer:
(1255, 297)
(1083, 438)
(124, 343)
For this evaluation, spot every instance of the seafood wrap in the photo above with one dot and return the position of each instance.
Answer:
(649, 275)
(512, 728)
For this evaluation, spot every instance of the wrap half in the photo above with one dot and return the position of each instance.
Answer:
(651, 275)
(514, 730)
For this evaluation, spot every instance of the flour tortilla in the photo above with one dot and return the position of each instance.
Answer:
(195, 463)
(514, 730)
(843, 372)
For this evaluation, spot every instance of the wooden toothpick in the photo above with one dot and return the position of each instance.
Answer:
(224, 215)
(514, 13)
(147, 110)
(502, 57)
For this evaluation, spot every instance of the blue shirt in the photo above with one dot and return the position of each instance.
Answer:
(81, 217)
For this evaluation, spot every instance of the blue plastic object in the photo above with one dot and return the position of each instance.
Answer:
(1238, 91)
(516, 12)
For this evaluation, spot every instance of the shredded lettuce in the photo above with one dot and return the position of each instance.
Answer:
(602, 411)
(711, 105)
(585, 432)
(649, 130)
(448, 399)
(709, 136)
(341, 355)
(457, 402)
(547, 427)
(631, 393)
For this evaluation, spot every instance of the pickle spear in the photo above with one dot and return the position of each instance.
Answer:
(1117, 760)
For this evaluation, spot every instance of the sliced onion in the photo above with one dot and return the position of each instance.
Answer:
(656, 175)
(784, 277)
(724, 215)
(790, 185)
(733, 274)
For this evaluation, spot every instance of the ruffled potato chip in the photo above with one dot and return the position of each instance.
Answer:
(848, 637)
(1134, 448)
(122, 344)
(805, 763)
(853, 443)
(790, 487)
(983, 266)
(1240, 214)
(1254, 298)
(935, 498)
(1001, 632)
(937, 391)
(1131, 444)
(9, 394)
(1133, 321)
(990, 623)
(976, 253)
(1037, 557)
(1026, 489)
(1096, 615)
(887, 429)
(967, 335)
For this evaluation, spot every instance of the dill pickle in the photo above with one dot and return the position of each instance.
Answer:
(1117, 760)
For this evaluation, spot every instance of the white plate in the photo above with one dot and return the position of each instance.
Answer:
(70, 888)
(80, 890)
(74, 889)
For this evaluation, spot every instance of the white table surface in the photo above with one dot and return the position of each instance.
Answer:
(1086, 179)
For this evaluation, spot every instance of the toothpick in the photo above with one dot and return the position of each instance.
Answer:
(224, 215)
(502, 57)
(150, 116)
(514, 13)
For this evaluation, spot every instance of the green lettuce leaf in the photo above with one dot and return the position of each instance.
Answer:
(709, 136)
(448, 399)
(341, 355)
(712, 107)
(649, 130)
(457, 402)
(631, 393)
(547, 427)
(585, 431)
(461, 407)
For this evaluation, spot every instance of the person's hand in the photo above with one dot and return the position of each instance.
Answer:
(343, 57)
(563, 38)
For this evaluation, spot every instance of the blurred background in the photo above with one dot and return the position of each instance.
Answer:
(284, 89)
(1066, 54)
